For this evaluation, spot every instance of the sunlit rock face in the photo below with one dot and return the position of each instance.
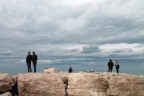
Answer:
(6, 83)
(38, 84)
(125, 85)
(86, 84)
(105, 84)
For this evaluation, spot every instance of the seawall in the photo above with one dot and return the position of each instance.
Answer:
(71, 84)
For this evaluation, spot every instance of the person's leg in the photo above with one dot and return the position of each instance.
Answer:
(117, 69)
(34, 64)
(109, 69)
(28, 66)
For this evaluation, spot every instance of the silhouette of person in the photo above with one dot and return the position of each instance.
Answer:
(34, 60)
(28, 61)
(117, 66)
(110, 65)
(70, 70)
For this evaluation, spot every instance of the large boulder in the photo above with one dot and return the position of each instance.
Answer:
(38, 84)
(6, 94)
(86, 84)
(125, 85)
(6, 82)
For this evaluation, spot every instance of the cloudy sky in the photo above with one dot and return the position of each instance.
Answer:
(71, 32)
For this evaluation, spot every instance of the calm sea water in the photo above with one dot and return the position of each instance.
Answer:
(131, 66)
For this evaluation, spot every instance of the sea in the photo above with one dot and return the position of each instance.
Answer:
(129, 66)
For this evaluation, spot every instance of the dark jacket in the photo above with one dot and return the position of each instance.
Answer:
(34, 57)
(28, 58)
(70, 70)
(110, 64)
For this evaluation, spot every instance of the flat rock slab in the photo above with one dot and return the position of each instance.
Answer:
(124, 85)
(86, 84)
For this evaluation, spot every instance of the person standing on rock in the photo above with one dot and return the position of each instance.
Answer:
(34, 60)
(110, 65)
(70, 70)
(28, 61)
(117, 66)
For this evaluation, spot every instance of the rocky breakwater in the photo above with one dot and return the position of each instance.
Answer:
(72, 84)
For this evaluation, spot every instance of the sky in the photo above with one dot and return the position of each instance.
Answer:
(67, 33)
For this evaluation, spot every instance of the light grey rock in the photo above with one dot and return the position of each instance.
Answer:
(6, 94)
(50, 70)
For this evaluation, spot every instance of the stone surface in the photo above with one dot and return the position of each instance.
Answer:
(6, 94)
(64, 77)
(50, 70)
(38, 84)
(125, 85)
(105, 84)
(6, 82)
(72, 84)
(86, 84)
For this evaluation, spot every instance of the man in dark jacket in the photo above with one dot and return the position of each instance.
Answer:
(28, 61)
(110, 65)
(34, 60)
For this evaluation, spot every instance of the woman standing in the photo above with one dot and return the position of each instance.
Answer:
(117, 66)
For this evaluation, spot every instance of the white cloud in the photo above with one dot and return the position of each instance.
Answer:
(122, 47)
(76, 3)
(74, 47)
(45, 61)
(72, 24)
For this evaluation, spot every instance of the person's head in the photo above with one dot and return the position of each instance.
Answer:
(110, 60)
(33, 52)
(70, 67)
(28, 52)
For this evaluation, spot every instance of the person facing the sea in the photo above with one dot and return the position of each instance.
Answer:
(117, 66)
(70, 70)
(28, 61)
(110, 65)
(34, 60)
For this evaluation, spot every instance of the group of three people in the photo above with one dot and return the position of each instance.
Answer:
(31, 58)
(110, 66)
